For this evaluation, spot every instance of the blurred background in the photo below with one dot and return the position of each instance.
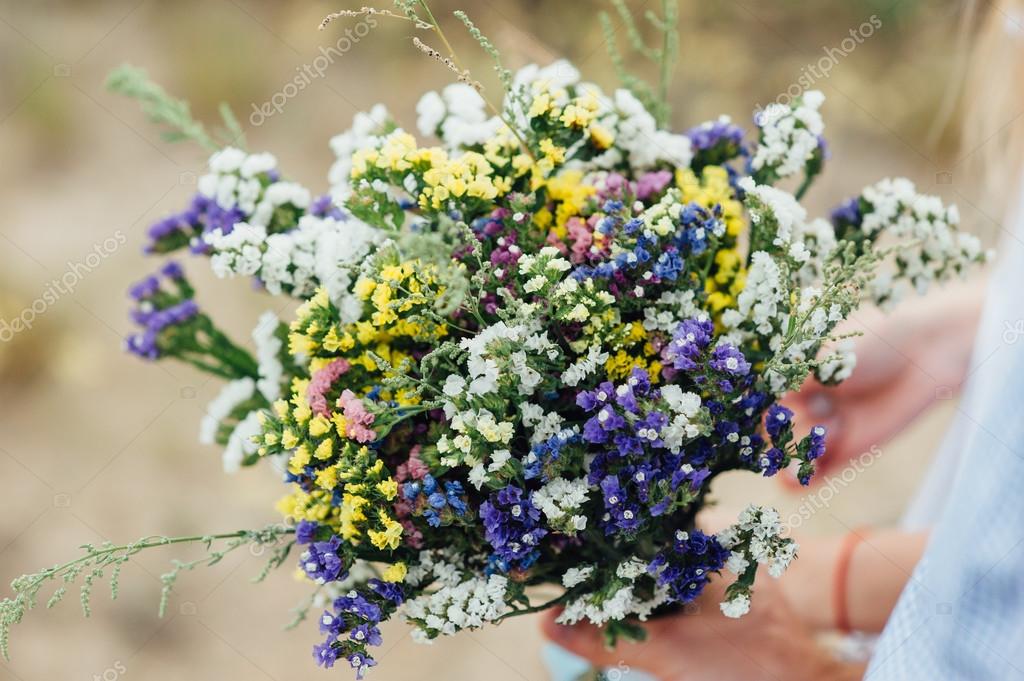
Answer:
(96, 446)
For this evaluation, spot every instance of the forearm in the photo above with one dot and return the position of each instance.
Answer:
(878, 569)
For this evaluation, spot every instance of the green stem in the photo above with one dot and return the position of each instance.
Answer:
(536, 608)
(805, 185)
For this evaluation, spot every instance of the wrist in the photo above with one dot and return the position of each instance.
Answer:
(834, 670)
(807, 584)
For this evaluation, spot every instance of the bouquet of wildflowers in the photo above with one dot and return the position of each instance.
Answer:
(522, 349)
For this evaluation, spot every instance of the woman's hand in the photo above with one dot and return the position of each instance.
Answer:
(905, 362)
(701, 644)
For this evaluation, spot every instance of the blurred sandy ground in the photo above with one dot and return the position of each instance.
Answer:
(96, 446)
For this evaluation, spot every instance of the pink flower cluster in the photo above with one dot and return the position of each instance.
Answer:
(316, 393)
(357, 419)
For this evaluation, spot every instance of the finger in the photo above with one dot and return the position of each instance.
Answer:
(581, 639)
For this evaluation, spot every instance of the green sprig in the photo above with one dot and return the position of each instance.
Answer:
(163, 109)
(664, 55)
(98, 559)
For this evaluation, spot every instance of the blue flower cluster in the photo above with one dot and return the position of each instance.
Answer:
(715, 143)
(697, 225)
(544, 457)
(512, 527)
(687, 567)
(440, 505)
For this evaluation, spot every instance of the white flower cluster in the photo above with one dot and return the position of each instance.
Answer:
(600, 608)
(575, 576)
(457, 604)
(239, 444)
(585, 365)
(478, 475)
(234, 181)
(757, 537)
(230, 396)
(809, 244)
(457, 115)
(558, 499)
(319, 252)
(367, 132)
(664, 313)
(637, 133)
(502, 353)
(789, 135)
(935, 249)
(764, 297)
(542, 425)
(478, 431)
(839, 365)
(737, 606)
(268, 349)
(685, 406)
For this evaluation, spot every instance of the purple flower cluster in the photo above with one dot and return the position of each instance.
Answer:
(186, 228)
(439, 504)
(352, 625)
(512, 527)
(638, 476)
(686, 568)
(688, 352)
(324, 207)
(158, 310)
(321, 561)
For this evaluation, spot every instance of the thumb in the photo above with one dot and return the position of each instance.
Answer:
(581, 639)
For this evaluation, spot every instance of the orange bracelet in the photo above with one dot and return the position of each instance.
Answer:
(841, 578)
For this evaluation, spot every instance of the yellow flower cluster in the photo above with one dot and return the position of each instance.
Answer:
(469, 175)
(578, 113)
(569, 196)
(441, 177)
(632, 349)
(367, 491)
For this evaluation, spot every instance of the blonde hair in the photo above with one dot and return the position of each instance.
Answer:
(992, 142)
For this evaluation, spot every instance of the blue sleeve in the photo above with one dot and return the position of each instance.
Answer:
(961, 615)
